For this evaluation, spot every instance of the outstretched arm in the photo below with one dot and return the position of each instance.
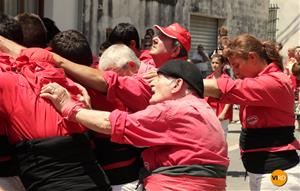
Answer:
(10, 47)
(85, 75)
(73, 110)
(88, 76)
(211, 88)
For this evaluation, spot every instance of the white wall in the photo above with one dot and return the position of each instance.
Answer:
(63, 12)
(288, 24)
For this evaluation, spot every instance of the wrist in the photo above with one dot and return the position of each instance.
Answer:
(70, 110)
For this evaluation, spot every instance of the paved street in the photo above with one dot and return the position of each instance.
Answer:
(236, 173)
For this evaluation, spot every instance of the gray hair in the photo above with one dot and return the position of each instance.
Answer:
(117, 56)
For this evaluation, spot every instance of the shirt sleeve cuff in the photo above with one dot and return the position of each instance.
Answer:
(225, 85)
(117, 120)
(222, 84)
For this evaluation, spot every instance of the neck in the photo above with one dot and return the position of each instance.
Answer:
(159, 60)
(217, 73)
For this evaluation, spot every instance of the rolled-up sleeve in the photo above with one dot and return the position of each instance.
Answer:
(263, 90)
(133, 91)
(117, 120)
(142, 129)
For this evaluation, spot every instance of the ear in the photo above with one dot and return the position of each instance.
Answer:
(132, 44)
(253, 57)
(175, 52)
(132, 66)
(178, 85)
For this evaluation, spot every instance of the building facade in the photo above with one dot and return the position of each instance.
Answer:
(96, 18)
(288, 24)
(202, 17)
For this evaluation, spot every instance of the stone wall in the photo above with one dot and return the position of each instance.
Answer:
(240, 16)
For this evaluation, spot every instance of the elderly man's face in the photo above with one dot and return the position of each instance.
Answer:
(162, 88)
(162, 46)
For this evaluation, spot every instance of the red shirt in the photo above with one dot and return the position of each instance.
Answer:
(177, 132)
(31, 116)
(6, 62)
(132, 91)
(147, 62)
(265, 101)
(217, 105)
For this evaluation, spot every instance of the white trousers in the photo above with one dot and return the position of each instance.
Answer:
(225, 124)
(262, 182)
(131, 186)
(12, 183)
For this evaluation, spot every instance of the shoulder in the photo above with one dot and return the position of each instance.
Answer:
(9, 80)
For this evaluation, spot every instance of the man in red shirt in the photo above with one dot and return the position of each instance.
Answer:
(185, 146)
(46, 145)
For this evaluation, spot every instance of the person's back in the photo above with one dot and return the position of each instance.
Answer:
(41, 135)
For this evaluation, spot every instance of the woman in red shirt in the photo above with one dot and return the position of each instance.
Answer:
(266, 100)
(223, 111)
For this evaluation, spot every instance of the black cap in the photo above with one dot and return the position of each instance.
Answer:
(185, 70)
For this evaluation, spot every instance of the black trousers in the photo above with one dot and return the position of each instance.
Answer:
(60, 163)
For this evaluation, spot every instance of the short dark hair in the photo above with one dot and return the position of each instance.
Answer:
(124, 33)
(73, 45)
(10, 28)
(183, 52)
(34, 31)
(51, 28)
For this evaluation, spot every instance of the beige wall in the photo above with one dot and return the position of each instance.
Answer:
(63, 12)
(288, 23)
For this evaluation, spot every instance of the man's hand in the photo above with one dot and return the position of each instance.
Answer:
(84, 97)
(57, 94)
(150, 75)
